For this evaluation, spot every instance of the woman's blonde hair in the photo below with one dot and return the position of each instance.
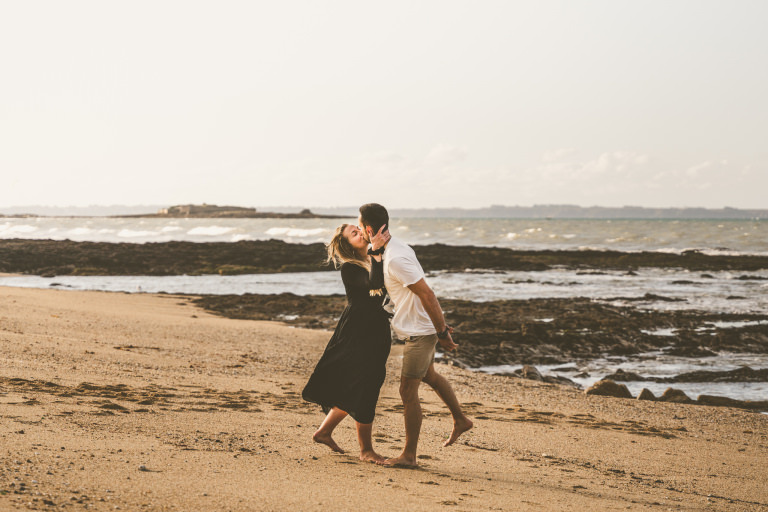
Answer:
(341, 251)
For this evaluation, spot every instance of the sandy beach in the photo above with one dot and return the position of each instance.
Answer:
(112, 401)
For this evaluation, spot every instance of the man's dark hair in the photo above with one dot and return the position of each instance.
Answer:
(374, 215)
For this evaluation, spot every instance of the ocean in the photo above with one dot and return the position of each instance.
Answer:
(709, 236)
(721, 291)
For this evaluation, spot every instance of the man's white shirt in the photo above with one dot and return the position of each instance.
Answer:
(402, 269)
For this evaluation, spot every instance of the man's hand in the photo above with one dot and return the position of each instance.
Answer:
(447, 342)
(380, 239)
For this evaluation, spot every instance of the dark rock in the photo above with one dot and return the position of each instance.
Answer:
(743, 374)
(722, 401)
(530, 373)
(752, 278)
(675, 396)
(622, 376)
(609, 388)
(661, 298)
(562, 381)
(646, 394)
(648, 297)
(686, 351)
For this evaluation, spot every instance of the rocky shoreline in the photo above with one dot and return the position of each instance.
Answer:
(535, 331)
(63, 257)
(548, 331)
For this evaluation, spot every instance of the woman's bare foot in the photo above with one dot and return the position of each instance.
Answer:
(327, 440)
(459, 427)
(400, 462)
(371, 456)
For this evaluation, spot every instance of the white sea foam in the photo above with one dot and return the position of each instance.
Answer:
(9, 230)
(133, 233)
(209, 231)
(659, 332)
(291, 232)
(79, 231)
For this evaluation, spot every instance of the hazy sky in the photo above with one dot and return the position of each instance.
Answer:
(408, 103)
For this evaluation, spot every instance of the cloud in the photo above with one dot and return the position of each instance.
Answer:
(445, 155)
(697, 169)
(558, 154)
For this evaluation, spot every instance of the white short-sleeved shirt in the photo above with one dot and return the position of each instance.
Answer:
(402, 269)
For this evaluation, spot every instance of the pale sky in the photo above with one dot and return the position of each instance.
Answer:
(658, 103)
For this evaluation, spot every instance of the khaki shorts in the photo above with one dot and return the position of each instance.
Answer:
(418, 354)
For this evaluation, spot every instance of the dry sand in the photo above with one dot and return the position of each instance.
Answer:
(144, 402)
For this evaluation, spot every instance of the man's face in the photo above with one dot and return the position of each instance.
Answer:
(366, 229)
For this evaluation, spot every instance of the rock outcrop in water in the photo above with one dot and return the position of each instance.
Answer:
(743, 374)
(610, 388)
(52, 257)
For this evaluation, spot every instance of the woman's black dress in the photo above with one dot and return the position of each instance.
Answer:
(351, 371)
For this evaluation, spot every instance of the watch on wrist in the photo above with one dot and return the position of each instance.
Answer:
(377, 252)
(444, 333)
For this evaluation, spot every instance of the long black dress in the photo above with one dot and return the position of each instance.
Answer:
(351, 371)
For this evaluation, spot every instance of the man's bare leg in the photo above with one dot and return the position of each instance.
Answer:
(443, 388)
(409, 392)
(367, 453)
(323, 434)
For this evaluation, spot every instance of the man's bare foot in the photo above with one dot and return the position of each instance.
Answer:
(400, 462)
(372, 457)
(459, 427)
(327, 440)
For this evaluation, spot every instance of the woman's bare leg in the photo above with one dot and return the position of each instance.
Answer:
(367, 453)
(324, 433)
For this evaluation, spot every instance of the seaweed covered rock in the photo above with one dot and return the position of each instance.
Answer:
(609, 388)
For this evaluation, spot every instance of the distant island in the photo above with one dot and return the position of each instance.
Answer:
(213, 211)
(179, 211)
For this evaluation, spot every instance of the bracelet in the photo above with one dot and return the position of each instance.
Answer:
(377, 252)
(443, 334)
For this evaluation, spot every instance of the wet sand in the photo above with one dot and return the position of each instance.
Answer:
(147, 402)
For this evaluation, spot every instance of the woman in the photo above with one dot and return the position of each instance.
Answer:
(351, 371)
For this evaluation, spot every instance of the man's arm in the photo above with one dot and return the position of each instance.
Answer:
(432, 306)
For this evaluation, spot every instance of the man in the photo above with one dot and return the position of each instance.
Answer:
(418, 321)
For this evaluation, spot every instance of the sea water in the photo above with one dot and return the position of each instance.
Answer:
(661, 365)
(709, 236)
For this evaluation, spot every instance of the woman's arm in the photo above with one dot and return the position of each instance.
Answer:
(376, 275)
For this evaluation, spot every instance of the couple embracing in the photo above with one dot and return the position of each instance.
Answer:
(351, 371)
